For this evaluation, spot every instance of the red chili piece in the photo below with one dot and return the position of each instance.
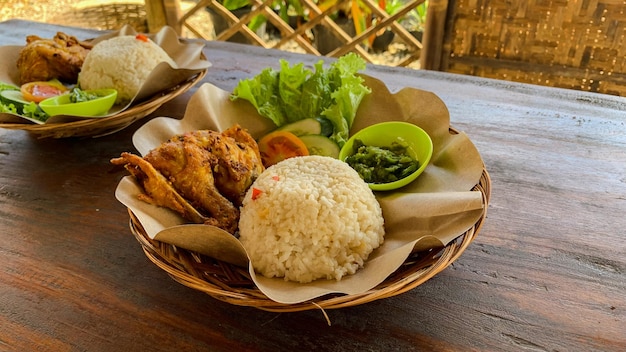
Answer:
(256, 193)
(141, 37)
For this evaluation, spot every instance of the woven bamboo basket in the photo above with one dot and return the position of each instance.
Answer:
(232, 284)
(97, 127)
(106, 15)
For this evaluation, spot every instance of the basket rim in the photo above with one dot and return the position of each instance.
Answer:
(199, 272)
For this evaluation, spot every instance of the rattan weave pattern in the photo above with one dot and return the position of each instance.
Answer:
(575, 44)
(107, 16)
(232, 284)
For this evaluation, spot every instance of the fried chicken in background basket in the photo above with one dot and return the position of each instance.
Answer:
(58, 58)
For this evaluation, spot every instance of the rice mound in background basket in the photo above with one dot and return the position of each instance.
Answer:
(123, 63)
(309, 218)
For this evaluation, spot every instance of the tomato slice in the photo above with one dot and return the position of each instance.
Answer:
(39, 91)
(280, 145)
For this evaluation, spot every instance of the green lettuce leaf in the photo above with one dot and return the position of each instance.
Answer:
(10, 108)
(6, 106)
(294, 93)
(33, 111)
(259, 91)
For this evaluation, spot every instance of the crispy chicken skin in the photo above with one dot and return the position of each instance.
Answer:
(158, 189)
(203, 170)
(44, 59)
(237, 160)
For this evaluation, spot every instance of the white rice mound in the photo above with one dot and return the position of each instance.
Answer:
(308, 218)
(122, 63)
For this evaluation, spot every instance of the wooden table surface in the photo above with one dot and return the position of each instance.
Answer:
(546, 273)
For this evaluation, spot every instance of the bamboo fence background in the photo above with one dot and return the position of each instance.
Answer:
(576, 44)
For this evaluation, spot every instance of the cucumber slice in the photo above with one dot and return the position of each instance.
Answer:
(320, 145)
(327, 126)
(302, 127)
(14, 97)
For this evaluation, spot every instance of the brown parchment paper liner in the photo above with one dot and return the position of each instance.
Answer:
(427, 214)
(187, 56)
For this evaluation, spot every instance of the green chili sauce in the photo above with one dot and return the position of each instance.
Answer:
(78, 96)
(381, 164)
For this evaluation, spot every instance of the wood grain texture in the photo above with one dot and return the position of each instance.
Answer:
(546, 273)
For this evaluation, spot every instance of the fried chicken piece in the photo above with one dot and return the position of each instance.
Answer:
(238, 160)
(158, 190)
(188, 167)
(210, 170)
(58, 58)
